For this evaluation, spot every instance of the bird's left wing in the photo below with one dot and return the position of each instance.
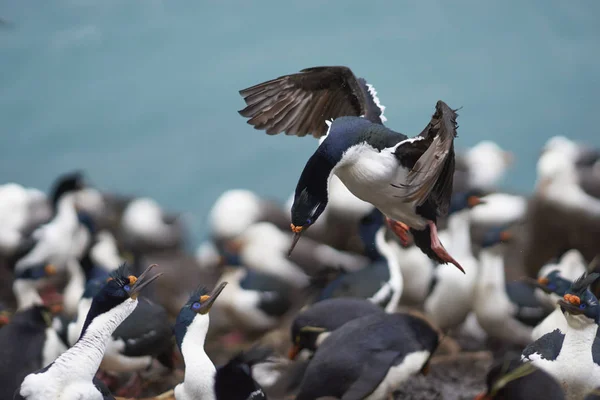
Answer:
(432, 174)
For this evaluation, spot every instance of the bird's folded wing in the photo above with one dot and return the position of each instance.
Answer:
(547, 347)
(432, 175)
(374, 370)
(300, 103)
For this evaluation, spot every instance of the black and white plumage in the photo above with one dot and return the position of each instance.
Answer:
(511, 379)
(408, 179)
(572, 357)
(505, 310)
(234, 381)
(27, 282)
(254, 302)
(27, 344)
(369, 357)
(71, 375)
(313, 325)
(145, 335)
(190, 331)
(381, 281)
(57, 240)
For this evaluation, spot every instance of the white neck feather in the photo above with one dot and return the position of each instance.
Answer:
(396, 281)
(74, 288)
(579, 337)
(26, 294)
(200, 372)
(81, 361)
(491, 270)
(66, 210)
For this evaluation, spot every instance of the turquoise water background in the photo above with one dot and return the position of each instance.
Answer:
(143, 94)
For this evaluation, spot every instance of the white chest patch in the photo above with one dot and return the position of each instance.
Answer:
(574, 368)
(555, 320)
(369, 175)
(398, 374)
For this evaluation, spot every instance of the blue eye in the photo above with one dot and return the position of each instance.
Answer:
(308, 221)
(127, 288)
(552, 286)
(582, 306)
(196, 305)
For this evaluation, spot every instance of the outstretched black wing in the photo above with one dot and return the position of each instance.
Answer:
(299, 104)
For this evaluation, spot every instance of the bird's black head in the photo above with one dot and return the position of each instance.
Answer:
(120, 286)
(310, 198)
(367, 229)
(579, 300)
(494, 236)
(199, 303)
(36, 272)
(464, 200)
(69, 182)
(554, 283)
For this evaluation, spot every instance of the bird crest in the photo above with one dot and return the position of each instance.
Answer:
(581, 284)
(122, 275)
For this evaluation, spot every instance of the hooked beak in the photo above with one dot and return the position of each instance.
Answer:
(297, 233)
(571, 303)
(209, 299)
(142, 281)
(293, 353)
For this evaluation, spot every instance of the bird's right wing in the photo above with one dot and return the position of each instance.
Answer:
(300, 103)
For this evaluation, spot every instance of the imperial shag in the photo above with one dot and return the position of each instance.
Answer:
(408, 179)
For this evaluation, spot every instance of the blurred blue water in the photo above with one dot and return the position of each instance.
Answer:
(142, 94)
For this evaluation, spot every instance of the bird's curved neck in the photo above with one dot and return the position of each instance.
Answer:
(491, 270)
(579, 337)
(76, 286)
(65, 211)
(315, 176)
(83, 359)
(200, 372)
